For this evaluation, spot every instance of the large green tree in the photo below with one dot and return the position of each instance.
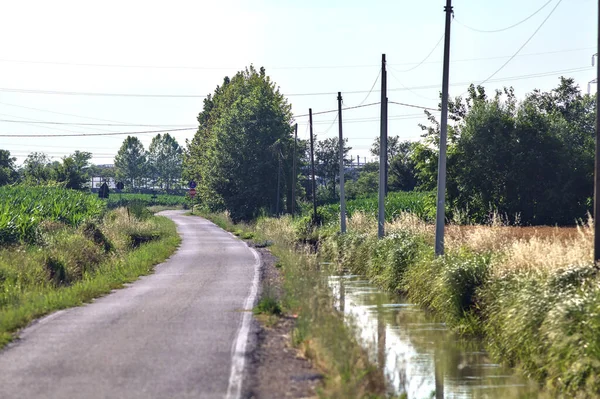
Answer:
(244, 132)
(8, 170)
(165, 157)
(131, 161)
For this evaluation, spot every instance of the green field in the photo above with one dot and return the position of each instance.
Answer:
(23, 209)
(175, 201)
(421, 203)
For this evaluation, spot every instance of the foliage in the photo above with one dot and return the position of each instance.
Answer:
(8, 171)
(73, 171)
(130, 161)
(367, 183)
(165, 158)
(236, 155)
(327, 161)
(23, 209)
(394, 147)
(36, 168)
(174, 201)
(531, 161)
(420, 203)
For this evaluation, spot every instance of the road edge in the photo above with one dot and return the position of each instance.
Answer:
(238, 348)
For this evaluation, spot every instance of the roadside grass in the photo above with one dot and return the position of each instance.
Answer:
(320, 333)
(73, 266)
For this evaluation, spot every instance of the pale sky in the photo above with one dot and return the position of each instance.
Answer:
(307, 47)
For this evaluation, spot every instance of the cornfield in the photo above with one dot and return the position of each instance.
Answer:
(419, 203)
(23, 209)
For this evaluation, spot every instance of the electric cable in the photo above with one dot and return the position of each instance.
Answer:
(508, 27)
(524, 44)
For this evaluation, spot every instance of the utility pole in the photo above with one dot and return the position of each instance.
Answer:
(312, 165)
(597, 169)
(342, 194)
(382, 152)
(294, 174)
(440, 216)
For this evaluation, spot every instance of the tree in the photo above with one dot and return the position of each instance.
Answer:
(130, 162)
(165, 158)
(327, 159)
(531, 161)
(232, 154)
(8, 171)
(394, 147)
(36, 168)
(402, 175)
(73, 171)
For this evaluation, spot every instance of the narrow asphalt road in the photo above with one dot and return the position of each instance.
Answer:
(178, 333)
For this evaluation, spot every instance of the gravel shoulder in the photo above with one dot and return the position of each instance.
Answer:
(276, 369)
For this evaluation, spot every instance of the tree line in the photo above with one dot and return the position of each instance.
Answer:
(160, 166)
(530, 161)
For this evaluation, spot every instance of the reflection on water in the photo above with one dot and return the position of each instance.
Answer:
(419, 355)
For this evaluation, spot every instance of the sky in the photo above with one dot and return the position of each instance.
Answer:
(132, 66)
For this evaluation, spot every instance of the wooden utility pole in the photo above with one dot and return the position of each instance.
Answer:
(312, 165)
(440, 217)
(382, 152)
(294, 173)
(342, 171)
(597, 168)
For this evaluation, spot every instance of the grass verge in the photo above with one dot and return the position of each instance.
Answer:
(70, 268)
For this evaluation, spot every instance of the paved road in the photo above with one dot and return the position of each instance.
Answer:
(179, 333)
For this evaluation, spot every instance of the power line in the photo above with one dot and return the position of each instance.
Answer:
(413, 106)
(335, 110)
(424, 59)
(59, 113)
(517, 77)
(95, 134)
(508, 27)
(524, 44)
(407, 88)
(370, 90)
(214, 68)
(299, 67)
(90, 124)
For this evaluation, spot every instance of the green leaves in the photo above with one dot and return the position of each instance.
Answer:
(23, 209)
(242, 143)
(130, 161)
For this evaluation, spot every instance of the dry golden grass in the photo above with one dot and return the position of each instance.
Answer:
(361, 222)
(281, 230)
(542, 249)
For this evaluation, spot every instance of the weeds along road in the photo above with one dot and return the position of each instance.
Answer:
(179, 333)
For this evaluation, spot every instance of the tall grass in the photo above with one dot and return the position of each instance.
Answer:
(532, 293)
(71, 265)
(23, 209)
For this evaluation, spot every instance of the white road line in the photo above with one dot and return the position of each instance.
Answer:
(238, 359)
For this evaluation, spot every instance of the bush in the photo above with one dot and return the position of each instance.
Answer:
(391, 257)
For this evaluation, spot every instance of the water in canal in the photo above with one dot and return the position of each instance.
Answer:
(418, 353)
